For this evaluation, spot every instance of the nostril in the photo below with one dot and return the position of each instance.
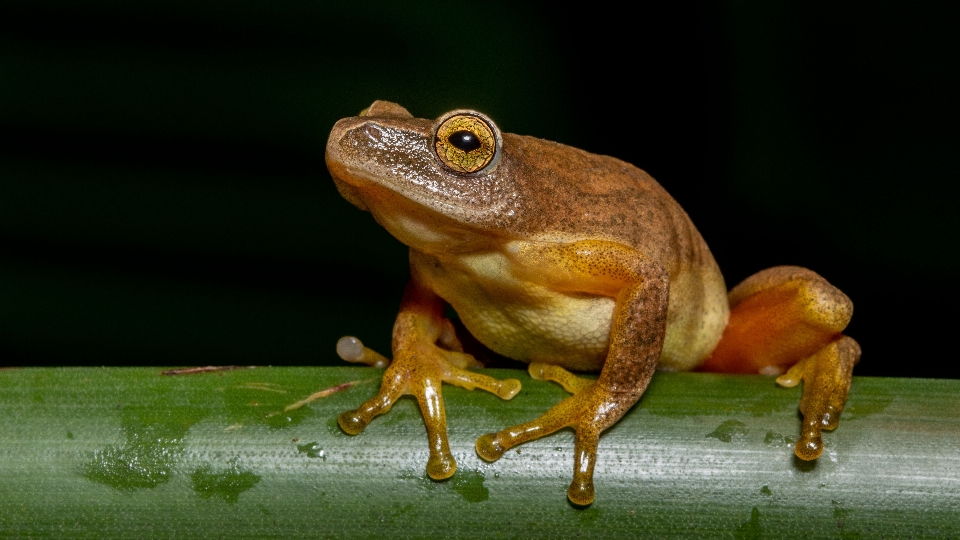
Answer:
(373, 132)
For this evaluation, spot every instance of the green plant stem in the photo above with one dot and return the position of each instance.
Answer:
(132, 453)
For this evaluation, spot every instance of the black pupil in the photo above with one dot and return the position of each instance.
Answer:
(465, 140)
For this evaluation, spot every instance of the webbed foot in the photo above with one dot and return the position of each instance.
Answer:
(826, 381)
(419, 369)
(591, 409)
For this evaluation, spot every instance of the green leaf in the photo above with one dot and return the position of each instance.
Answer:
(132, 453)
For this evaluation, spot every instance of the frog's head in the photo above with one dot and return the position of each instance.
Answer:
(429, 182)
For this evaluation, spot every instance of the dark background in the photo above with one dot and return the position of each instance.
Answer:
(164, 200)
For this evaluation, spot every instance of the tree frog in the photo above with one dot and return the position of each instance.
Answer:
(565, 260)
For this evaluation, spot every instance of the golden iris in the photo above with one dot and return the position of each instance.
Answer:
(465, 143)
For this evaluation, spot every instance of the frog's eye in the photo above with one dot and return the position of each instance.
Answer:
(465, 142)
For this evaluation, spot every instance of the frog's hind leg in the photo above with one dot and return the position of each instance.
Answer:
(790, 316)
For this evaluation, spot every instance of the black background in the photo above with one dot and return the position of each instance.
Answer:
(164, 200)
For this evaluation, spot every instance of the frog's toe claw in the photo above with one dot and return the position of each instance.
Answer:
(441, 466)
(537, 370)
(489, 448)
(831, 417)
(810, 445)
(580, 492)
(352, 422)
(826, 381)
(351, 349)
(508, 388)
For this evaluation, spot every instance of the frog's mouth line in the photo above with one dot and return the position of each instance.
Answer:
(361, 186)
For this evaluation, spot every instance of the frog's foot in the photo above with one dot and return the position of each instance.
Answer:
(787, 316)
(351, 349)
(590, 410)
(419, 371)
(826, 381)
(570, 382)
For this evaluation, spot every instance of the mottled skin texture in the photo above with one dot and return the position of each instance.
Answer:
(565, 259)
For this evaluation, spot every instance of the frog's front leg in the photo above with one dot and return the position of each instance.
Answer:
(426, 353)
(641, 289)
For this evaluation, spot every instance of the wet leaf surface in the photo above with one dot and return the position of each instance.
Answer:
(123, 453)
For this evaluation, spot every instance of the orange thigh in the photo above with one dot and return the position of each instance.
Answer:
(778, 317)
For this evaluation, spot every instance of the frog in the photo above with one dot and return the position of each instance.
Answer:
(570, 262)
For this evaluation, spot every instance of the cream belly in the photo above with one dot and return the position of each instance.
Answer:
(523, 321)
(532, 323)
